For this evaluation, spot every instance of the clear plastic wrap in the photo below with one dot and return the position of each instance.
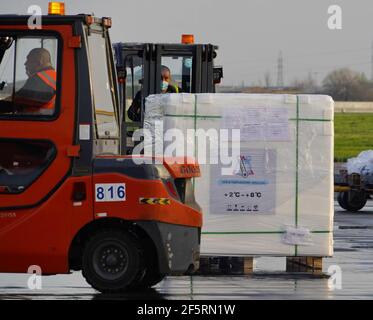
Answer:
(280, 179)
(362, 164)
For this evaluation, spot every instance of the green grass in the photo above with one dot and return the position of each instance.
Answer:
(353, 134)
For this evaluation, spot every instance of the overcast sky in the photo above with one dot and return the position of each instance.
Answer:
(250, 33)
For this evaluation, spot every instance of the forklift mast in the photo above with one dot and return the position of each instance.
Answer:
(139, 68)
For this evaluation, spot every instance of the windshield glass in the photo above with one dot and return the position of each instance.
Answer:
(28, 75)
(177, 71)
(103, 89)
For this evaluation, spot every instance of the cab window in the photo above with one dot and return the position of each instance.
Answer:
(22, 163)
(177, 72)
(103, 87)
(28, 75)
(133, 89)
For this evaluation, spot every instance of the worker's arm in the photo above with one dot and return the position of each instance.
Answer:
(134, 111)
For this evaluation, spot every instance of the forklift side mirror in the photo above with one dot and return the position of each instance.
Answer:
(5, 43)
(217, 74)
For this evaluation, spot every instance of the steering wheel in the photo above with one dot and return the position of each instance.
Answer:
(6, 171)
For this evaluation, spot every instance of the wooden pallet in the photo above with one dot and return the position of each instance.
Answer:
(225, 265)
(245, 265)
(304, 264)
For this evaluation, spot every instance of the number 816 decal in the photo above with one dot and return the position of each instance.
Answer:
(110, 192)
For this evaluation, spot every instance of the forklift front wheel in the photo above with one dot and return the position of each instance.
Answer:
(112, 261)
(152, 276)
(352, 200)
(150, 279)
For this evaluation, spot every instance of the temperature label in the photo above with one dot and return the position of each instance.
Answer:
(250, 188)
(110, 192)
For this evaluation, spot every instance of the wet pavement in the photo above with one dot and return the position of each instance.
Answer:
(353, 253)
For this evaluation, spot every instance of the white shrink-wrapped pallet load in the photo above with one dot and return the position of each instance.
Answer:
(276, 198)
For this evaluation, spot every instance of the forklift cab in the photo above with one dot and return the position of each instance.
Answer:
(139, 68)
(39, 78)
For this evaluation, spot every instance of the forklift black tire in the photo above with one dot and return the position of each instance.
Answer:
(352, 200)
(113, 261)
(152, 276)
(150, 279)
(341, 201)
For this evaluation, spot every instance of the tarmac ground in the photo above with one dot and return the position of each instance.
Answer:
(353, 254)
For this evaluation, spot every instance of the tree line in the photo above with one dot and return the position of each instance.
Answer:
(342, 84)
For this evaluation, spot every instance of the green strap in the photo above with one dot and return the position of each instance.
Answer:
(258, 232)
(296, 172)
(242, 232)
(305, 119)
(219, 117)
(191, 116)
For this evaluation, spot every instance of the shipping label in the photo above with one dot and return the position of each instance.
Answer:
(258, 123)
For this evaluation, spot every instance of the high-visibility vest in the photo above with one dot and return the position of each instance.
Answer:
(49, 77)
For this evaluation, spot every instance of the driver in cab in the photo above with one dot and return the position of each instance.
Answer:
(39, 91)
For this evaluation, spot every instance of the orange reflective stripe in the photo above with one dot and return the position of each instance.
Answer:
(49, 77)
(50, 104)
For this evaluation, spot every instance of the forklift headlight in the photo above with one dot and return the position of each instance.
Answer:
(168, 181)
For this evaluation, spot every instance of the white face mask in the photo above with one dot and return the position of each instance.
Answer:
(164, 85)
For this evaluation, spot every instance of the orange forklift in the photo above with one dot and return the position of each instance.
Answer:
(68, 199)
